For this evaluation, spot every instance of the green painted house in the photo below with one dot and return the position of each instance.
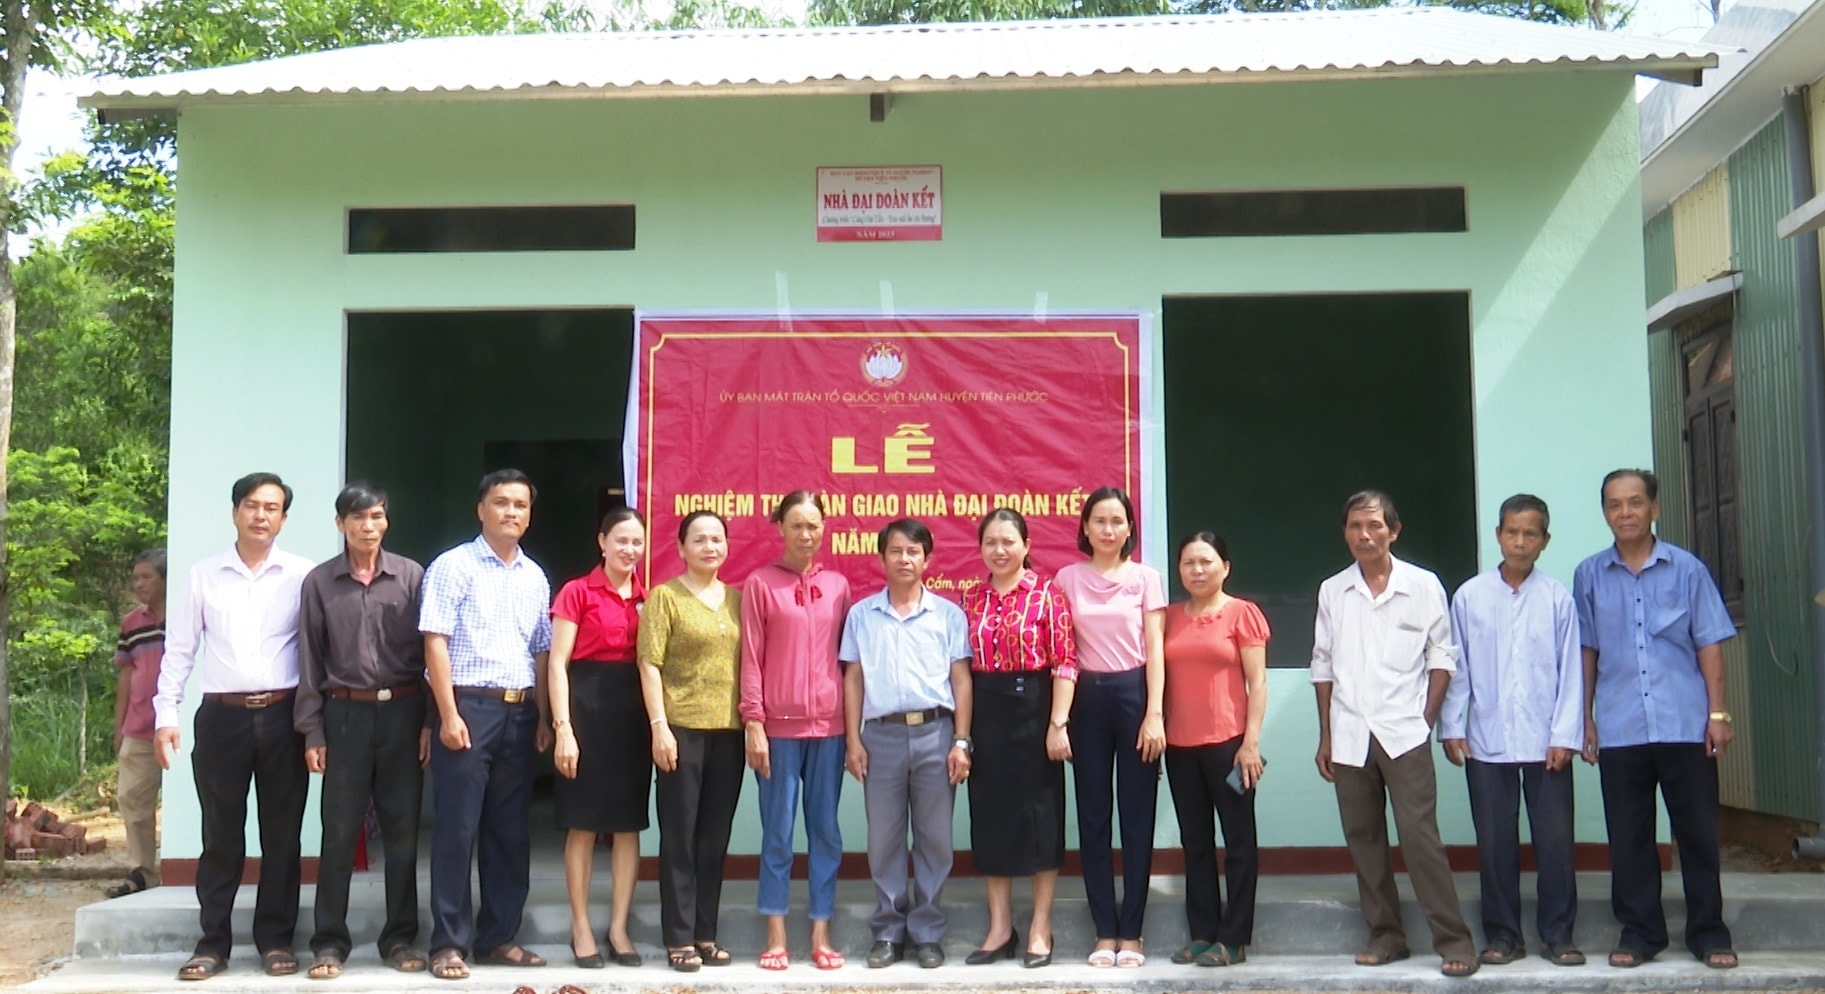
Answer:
(1396, 248)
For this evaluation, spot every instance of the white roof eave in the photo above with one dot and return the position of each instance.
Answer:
(1114, 52)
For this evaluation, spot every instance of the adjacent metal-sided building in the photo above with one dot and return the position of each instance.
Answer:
(1733, 332)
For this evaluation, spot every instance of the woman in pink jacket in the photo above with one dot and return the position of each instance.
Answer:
(792, 614)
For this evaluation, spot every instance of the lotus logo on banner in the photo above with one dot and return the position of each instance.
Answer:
(884, 364)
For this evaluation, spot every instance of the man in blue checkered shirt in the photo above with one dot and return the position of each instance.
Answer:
(487, 627)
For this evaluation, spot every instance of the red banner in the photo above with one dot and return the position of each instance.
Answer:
(937, 418)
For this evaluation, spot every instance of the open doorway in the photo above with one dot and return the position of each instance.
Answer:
(1280, 407)
(435, 399)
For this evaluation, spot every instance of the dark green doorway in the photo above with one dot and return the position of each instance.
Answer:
(435, 399)
(1279, 407)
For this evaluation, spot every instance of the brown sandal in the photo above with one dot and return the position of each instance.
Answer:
(447, 964)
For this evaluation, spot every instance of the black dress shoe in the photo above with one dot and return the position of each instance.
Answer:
(983, 957)
(884, 953)
(930, 955)
(593, 961)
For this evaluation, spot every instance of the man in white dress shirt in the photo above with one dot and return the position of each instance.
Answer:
(1382, 657)
(236, 624)
(1514, 713)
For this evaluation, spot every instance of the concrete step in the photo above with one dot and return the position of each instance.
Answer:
(1765, 971)
(1295, 916)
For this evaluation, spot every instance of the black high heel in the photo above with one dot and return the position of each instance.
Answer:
(594, 961)
(1032, 960)
(1007, 950)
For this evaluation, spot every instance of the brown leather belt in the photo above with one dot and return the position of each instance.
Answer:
(505, 696)
(371, 696)
(251, 702)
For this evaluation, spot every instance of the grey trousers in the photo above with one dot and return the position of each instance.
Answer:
(907, 783)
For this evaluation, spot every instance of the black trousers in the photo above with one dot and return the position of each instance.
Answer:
(1496, 790)
(1110, 777)
(1687, 780)
(236, 747)
(1197, 776)
(696, 804)
(372, 755)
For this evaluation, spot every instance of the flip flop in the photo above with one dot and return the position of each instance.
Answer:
(327, 966)
(1222, 954)
(447, 964)
(775, 959)
(201, 967)
(827, 959)
(134, 883)
(404, 958)
(511, 954)
(1190, 952)
(279, 962)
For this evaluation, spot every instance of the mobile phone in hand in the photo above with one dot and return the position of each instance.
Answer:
(1234, 780)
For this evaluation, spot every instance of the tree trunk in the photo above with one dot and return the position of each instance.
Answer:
(21, 22)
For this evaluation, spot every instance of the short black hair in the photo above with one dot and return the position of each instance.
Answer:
(1012, 517)
(684, 526)
(1083, 519)
(911, 528)
(1649, 482)
(153, 557)
(792, 500)
(1211, 539)
(504, 477)
(254, 481)
(1525, 502)
(359, 495)
(1372, 498)
(615, 516)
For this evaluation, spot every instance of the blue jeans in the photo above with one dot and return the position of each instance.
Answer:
(481, 802)
(811, 769)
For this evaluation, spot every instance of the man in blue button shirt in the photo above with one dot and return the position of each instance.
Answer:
(906, 709)
(1515, 714)
(1652, 621)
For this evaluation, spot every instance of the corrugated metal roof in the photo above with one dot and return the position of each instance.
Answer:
(974, 55)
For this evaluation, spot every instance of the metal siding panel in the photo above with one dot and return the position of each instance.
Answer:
(1736, 778)
(1666, 388)
(1701, 229)
(1657, 240)
(1777, 636)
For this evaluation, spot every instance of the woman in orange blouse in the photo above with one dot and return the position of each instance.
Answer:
(1216, 697)
(1023, 670)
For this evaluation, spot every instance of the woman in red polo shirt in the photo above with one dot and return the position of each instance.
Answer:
(603, 744)
(1216, 697)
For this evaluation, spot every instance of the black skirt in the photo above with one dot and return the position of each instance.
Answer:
(1017, 795)
(614, 751)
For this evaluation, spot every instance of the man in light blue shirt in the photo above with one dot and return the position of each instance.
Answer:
(1651, 622)
(906, 709)
(486, 620)
(1515, 714)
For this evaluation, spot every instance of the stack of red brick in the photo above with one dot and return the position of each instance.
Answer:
(33, 832)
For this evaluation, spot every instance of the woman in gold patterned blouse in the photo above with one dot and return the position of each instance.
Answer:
(690, 655)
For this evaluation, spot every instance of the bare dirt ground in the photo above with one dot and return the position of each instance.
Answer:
(38, 902)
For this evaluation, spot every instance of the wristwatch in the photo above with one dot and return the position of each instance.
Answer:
(966, 745)
(1723, 716)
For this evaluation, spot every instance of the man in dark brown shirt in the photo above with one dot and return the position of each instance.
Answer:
(361, 709)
